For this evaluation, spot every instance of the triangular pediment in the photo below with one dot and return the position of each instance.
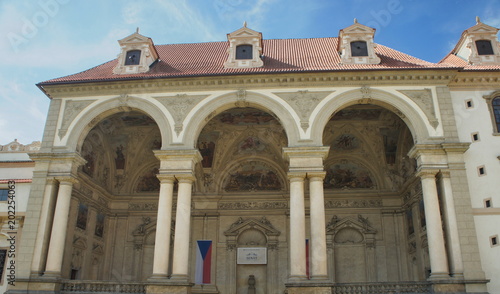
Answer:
(134, 38)
(262, 225)
(244, 32)
(360, 224)
(482, 28)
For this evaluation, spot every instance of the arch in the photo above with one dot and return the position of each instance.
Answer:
(212, 107)
(85, 121)
(412, 115)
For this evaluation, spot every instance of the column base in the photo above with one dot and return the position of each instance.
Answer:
(439, 276)
(322, 278)
(158, 278)
(179, 278)
(297, 279)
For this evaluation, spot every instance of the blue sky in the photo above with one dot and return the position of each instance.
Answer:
(45, 39)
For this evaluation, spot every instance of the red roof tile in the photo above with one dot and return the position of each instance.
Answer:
(280, 56)
(453, 60)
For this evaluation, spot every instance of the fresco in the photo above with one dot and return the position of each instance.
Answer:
(409, 220)
(253, 176)
(99, 225)
(346, 142)
(421, 207)
(81, 219)
(347, 175)
(246, 116)
(206, 145)
(390, 139)
(137, 120)
(149, 182)
(357, 114)
(250, 145)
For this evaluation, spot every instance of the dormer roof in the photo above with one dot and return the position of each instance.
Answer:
(466, 48)
(137, 46)
(245, 48)
(356, 45)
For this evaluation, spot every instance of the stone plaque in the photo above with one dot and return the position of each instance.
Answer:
(252, 255)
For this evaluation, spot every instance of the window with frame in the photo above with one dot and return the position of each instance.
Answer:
(133, 57)
(495, 103)
(3, 259)
(4, 194)
(359, 48)
(484, 47)
(244, 52)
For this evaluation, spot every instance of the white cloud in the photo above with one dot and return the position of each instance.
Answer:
(131, 12)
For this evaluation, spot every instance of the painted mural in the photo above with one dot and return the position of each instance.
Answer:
(137, 120)
(99, 225)
(81, 219)
(348, 175)
(251, 144)
(357, 114)
(245, 116)
(346, 142)
(149, 182)
(206, 145)
(390, 139)
(253, 176)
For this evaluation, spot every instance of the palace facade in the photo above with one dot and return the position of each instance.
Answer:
(324, 165)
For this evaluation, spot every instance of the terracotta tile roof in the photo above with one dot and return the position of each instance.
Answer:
(280, 56)
(453, 60)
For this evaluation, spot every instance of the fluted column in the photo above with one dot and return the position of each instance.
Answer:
(59, 227)
(180, 268)
(437, 252)
(43, 233)
(319, 266)
(456, 263)
(297, 240)
(163, 228)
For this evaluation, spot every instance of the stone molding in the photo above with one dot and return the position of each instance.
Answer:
(423, 98)
(277, 80)
(71, 110)
(349, 203)
(253, 205)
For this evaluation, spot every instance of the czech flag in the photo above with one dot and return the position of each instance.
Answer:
(203, 262)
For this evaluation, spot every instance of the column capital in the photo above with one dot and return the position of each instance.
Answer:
(66, 180)
(167, 179)
(51, 181)
(316, 176)
(296, 176)
(185, 178)
(426, 174)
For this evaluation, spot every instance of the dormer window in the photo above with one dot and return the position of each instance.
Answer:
(137, 54)
(244, 52)
(133, 57)
(484, 47)
(356, 45)
(359, 48)
(245, 49)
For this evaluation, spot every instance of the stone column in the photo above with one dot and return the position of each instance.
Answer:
(163, 226)
(454, 250)
(180, 267)
(437, 252)
(44, 223)
(319, 265)
(59, 227)
(297, 240)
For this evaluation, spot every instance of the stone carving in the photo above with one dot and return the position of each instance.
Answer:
(353, 203)
(71, 109)
(303, 102)
(241, 97)
(179, 106)
(366, 93)
(250, 205)
(16, 146)
(424, 100)
(148, 206)
(140, 230)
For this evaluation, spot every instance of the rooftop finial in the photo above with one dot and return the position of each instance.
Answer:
(137, 30)
(355, 20)
(245, 24)
(478, 20)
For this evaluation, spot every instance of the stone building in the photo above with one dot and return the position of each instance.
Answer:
(319, 165)
(16, 171)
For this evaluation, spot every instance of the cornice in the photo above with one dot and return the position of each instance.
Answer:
(483, 80)
(276, 80)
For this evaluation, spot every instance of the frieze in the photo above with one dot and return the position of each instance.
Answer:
(353, 203)
(148, 206)
(179, 106)
(303, 102)
(251, 205)
(71, 110)
(424, 100)
(275, 80)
